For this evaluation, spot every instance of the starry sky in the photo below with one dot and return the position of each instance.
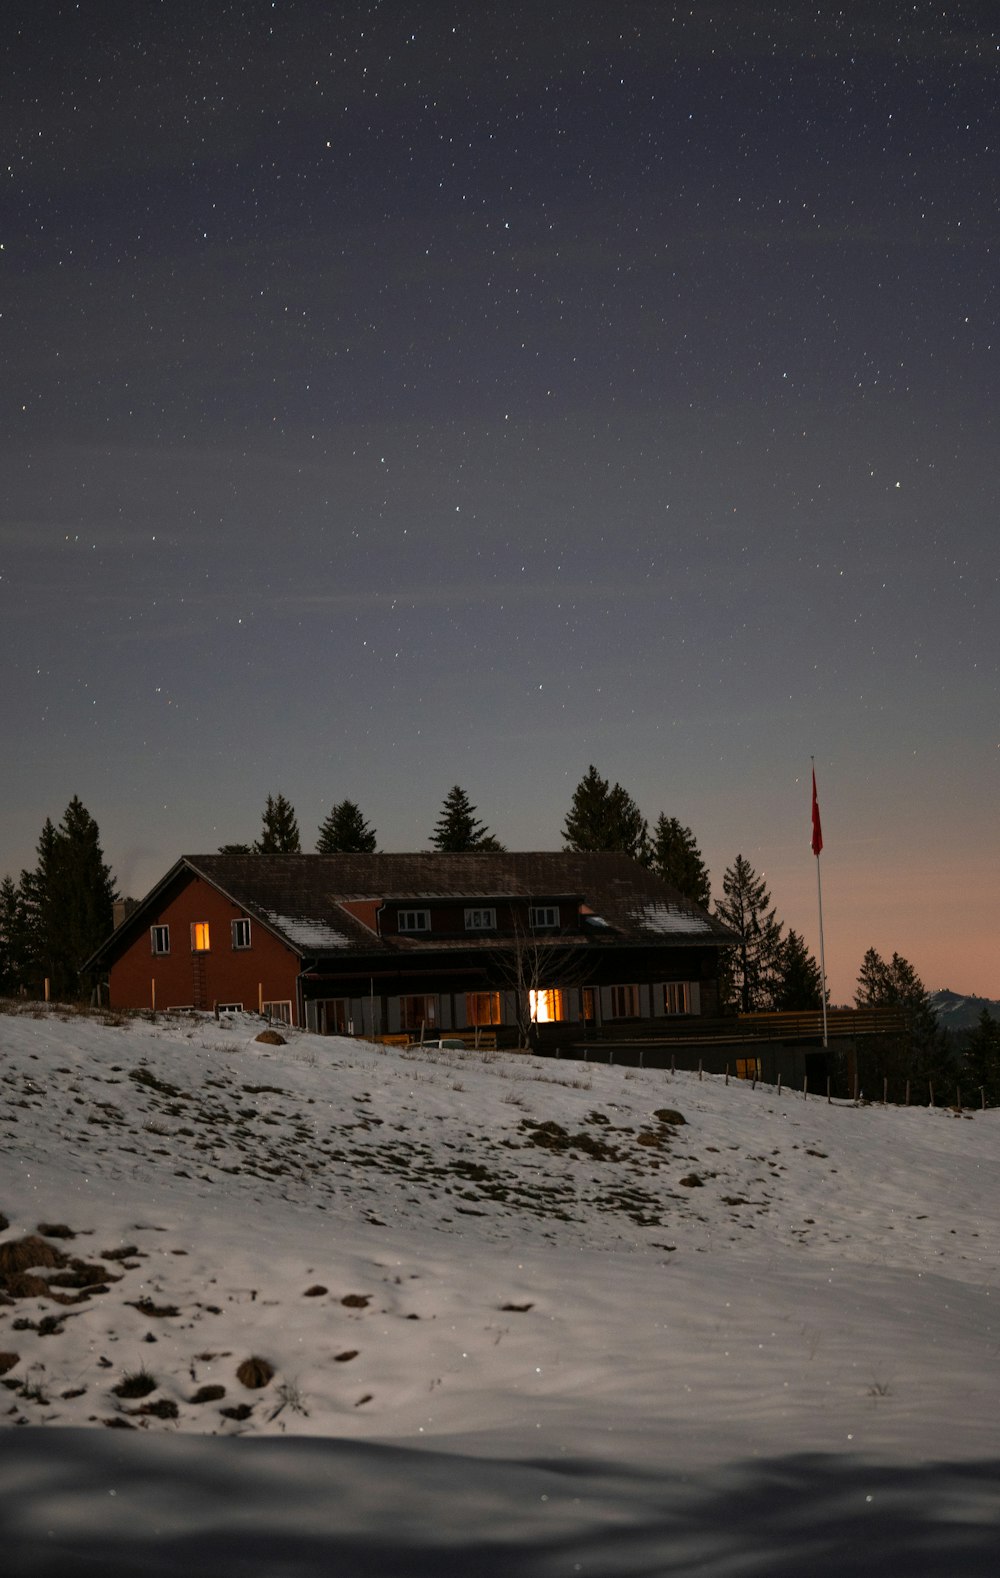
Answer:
(408, 394)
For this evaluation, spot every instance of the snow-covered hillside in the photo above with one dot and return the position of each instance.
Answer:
(521, 1315)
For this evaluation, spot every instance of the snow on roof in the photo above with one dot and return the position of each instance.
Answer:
(304, 933)
(665, 919)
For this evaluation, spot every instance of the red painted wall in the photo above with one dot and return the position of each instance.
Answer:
(227, 975)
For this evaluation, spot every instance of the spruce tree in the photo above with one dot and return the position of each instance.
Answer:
(982, 1058)
(38, 896)
(15, 940)
(754, 964)
(280, 830)
(799, 985)
(457, 829)
(82, 896)
(874, 985)
(345, 832)
(604, 816)
(66, 905)
(923, 1053)
(675, 856)
(236, 849)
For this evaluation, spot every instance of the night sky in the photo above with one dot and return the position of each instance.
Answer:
(401, 395)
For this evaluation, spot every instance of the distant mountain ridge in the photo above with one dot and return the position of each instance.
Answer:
(958, 1013)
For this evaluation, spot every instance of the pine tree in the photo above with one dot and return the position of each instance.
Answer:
(345, 832)
(982, 1058)
(754, 964)
(799, 986)
(603, 816)
(280, 830)
(457, 829)
(236, 849)
(675, 856)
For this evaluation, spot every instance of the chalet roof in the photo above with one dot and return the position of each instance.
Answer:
(301, 898)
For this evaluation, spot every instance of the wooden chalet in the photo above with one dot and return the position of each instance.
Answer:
(420, 944)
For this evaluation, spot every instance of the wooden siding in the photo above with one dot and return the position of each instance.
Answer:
(184, 979)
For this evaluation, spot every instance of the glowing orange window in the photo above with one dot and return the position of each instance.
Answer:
(199, 937)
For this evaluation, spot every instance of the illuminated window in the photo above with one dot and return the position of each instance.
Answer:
(282, 1012)
(542, 915)
(199, 937)
(624, 1002)
(748, 1068)
(414, 920)
(482, 1008)
(241, 934)
(417, 1013)
(480, 920)
(548, 1004)
(159, 939)
(676, 998)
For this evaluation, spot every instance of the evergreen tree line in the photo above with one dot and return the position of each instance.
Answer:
(55, 916)
(59, 913)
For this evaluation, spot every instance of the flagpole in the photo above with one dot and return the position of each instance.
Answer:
(817, 845)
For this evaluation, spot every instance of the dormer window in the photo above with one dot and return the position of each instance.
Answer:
(414, 920)
(543, 917)
(480, 920)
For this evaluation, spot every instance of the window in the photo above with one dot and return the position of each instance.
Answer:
(676, 998)
(543, 915)
(159, 939)
(199, 937)
(414, 920)
(547, 1005)
(480, 920)
(230, 1008)
(241, 934)
(624, 1002)
(482, 1008)
(748, 1068)
(282, 1012)
(417, 1013)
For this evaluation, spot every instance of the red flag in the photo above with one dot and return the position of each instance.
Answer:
(817, 838)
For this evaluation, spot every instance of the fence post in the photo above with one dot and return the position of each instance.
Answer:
(930, 1087)
(727, 1073)
(699, 1068)
(885, 1090)
(779, 1082)
(673, 1064)
(907, 1093)
(805, 1087)
(982, 1096)
(829, 1098)
(958, 1097)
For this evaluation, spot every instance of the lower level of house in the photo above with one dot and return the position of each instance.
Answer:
(429, 1013)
